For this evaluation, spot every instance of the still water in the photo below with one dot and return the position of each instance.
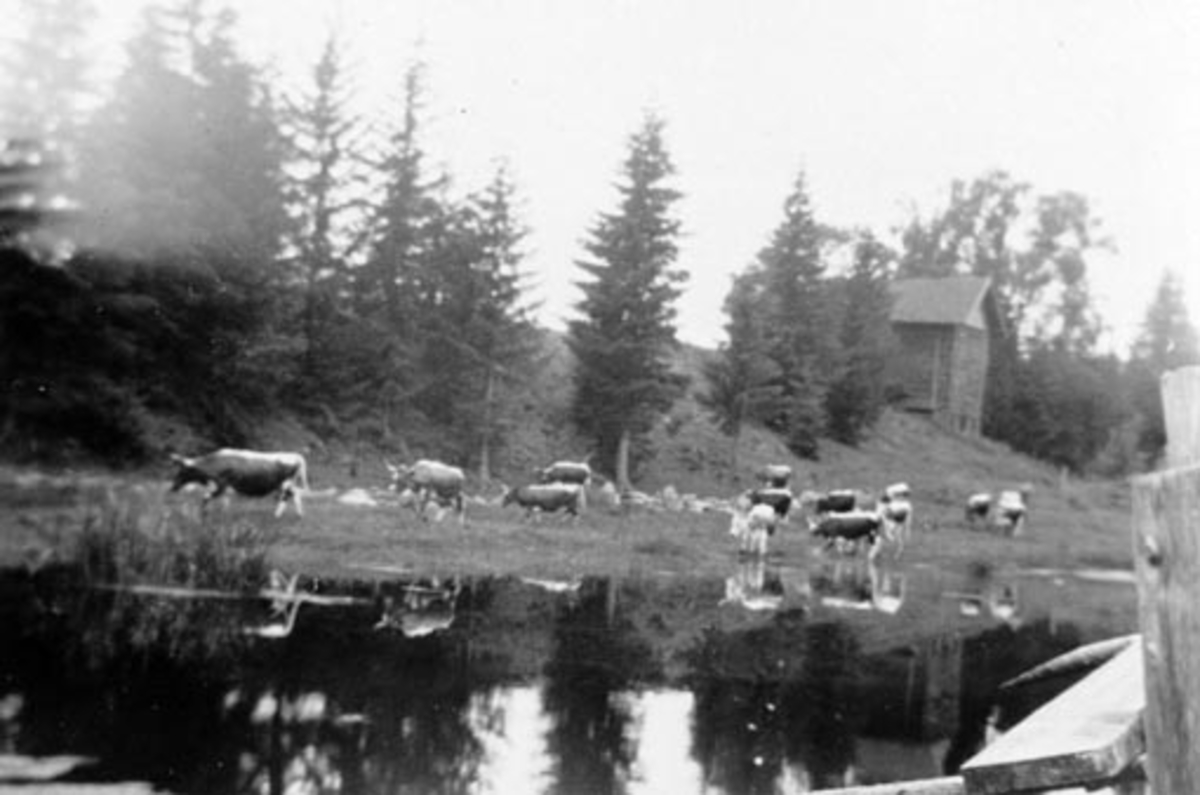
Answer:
(770, 680)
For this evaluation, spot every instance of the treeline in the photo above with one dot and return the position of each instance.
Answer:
(191, 249)
(810, 337)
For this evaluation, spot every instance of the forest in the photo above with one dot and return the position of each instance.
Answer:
(186, 252)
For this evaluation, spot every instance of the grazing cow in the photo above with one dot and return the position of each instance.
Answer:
(896, 511)
(979, 506)
(850, 527)
(566, 472)
(779, 500)
(431, 481)
(249, 473)
(1010, 511)
(547, 498)
(774, 476)
(752, 527)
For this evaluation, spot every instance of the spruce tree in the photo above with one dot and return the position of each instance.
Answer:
(856, 399)
(396, 288)
(743, 383)
(1168, 340)
(622, 343)
(802, 336)
(324, 186)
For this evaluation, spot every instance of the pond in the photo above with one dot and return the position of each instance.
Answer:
(773, 679)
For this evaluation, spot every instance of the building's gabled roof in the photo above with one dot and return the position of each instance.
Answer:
(953, 300)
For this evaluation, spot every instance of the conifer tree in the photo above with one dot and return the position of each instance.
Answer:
(856, 399)
(478, 337)
(396, 287)
(802, 335)
(324, 187)
(1168, 340)
(623, 379)
(743, 381)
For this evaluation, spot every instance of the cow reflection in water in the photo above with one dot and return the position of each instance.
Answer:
(422, 610)
(754, 586)
(852, 584)
(985, 595)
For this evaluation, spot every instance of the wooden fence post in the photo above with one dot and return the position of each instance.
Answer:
(1166, 539)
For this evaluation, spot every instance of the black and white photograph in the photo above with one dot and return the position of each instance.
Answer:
(599, 397)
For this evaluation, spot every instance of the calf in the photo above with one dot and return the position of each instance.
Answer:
(546, 498)
(246, 472)
(752, 527)
(566, 472)
(431, 481)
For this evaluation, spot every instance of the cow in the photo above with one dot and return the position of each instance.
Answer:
(547, 498)
(779, 500)
(1010, 510)
(566, 472)
(774, 476)
(897, 511)
(430, 481)
(752, 527)
(246, 472)
(979, 507)
(839, 501)
(850, 527)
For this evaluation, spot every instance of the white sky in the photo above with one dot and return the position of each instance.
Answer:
(882, 102)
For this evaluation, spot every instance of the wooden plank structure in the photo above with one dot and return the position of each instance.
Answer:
(1166, 528)
(1135, 721)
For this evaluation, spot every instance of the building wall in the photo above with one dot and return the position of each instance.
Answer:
(914, 368)
(969, 367)
(942, 370)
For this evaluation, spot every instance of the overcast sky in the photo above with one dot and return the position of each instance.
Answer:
(881, 103)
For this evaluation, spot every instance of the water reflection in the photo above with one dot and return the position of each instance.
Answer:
(772, 679)
(859, 584)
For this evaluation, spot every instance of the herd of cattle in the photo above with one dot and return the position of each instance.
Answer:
(845, 520)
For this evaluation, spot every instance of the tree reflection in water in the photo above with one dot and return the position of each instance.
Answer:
(597, 655)
(174, 692)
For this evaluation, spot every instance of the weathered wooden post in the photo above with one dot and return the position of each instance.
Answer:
(1166, 538)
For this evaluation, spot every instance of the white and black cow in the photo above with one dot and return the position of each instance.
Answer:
(774, 476)
(897, 513)
(850, 528)
(431, 481)
(246, 472)
(837, 501)
(752, 527)
(1011, 510)
(979, 507)
(547, 498)
(566, 472)
(778, 499)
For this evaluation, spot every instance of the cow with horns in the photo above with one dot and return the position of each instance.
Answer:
(246, 472)
(431, 481)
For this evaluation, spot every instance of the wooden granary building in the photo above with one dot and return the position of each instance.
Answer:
(944, 328)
